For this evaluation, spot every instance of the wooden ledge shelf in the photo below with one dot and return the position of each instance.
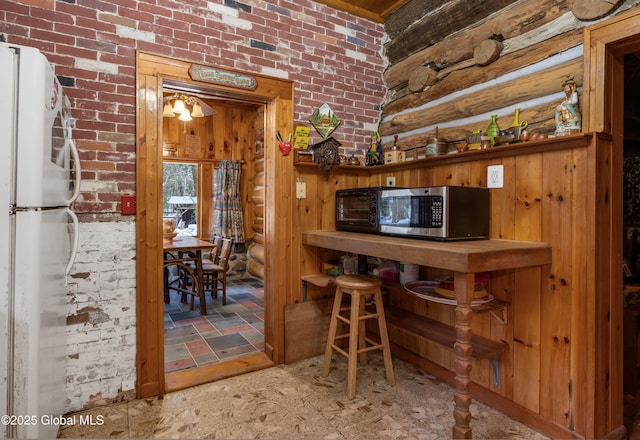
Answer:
(557, 143)
(438, 332)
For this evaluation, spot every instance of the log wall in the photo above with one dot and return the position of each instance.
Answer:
(441, 75)
(255, 251)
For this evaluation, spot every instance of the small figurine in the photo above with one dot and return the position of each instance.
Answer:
(374, 154)
(568, 118)
(395, 153)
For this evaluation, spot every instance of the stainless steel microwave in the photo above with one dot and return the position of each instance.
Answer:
(439, 212)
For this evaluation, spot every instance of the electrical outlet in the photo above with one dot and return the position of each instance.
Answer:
(301, 190)
(495, 176)
(391, 181)
(128, 385)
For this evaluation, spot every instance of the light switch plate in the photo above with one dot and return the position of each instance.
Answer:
(301, 190)
(391, 181)
(128, 205)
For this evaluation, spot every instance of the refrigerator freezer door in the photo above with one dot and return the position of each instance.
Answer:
(7, 77)
(43, 122)
(4, 315)
(39, 317)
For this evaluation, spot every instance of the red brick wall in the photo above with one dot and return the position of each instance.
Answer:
(332, 56)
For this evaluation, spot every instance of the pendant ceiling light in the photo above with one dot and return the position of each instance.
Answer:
(186, 107)
(184, 115)
(178, 106)
(167, 111)
(196, 111)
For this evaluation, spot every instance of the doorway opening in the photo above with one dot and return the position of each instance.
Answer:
(610, 51)
(202, 198)
(631, 240)
(274, 98)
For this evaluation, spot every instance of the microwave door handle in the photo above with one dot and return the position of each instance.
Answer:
(76, 166)
(76, 239)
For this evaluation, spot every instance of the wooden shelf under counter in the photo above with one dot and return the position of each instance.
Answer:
(401, 321)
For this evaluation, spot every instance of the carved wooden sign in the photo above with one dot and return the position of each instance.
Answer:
(222, 77)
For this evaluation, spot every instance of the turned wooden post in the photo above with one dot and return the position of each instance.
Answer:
(464, 288)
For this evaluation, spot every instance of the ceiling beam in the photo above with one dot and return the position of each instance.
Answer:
(353, 9)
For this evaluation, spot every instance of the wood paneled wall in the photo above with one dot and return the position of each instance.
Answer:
(549, 195)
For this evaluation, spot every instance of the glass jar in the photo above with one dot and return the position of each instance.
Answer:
(349, 264)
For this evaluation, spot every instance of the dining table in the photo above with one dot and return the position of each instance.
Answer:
(186, 250)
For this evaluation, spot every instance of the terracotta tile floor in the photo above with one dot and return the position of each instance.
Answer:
(233, 330)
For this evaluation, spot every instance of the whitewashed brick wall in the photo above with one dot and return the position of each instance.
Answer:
(101, 323)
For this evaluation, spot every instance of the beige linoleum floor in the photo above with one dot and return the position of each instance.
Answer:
(294, 402)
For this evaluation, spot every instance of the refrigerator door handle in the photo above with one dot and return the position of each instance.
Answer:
(76, 239)
(76, 166)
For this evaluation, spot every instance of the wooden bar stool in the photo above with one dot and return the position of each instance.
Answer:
(359, 287)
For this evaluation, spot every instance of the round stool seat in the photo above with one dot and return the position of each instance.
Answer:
(358, 282)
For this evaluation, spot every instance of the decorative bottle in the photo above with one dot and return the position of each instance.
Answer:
(493, 129)
(516, 119)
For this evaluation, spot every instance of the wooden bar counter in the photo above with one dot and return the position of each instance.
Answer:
(464, 258)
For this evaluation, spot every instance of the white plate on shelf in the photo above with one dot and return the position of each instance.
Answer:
(425, 290)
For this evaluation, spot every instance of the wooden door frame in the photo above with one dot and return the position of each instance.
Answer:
(277, 96)
(605, 45)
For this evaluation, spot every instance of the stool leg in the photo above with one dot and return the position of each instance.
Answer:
(362, 330)
(333, 326)
(353, 345)
(384, 338)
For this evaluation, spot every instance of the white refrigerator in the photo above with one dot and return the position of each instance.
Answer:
(38, 241)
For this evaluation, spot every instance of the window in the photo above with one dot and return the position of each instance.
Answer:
(180, 196)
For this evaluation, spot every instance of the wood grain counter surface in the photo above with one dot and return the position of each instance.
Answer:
(465, 256)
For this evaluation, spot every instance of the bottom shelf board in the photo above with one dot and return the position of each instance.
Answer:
(439, 332)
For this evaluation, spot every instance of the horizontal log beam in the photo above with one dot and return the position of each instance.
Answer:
(439, 24)
(513, 21)
(396, 23)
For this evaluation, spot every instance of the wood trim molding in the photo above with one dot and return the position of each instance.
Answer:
(605, 45)
(602, 42)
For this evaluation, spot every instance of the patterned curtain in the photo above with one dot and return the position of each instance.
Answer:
(227, 207)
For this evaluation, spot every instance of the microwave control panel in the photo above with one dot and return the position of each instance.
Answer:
(436, 210)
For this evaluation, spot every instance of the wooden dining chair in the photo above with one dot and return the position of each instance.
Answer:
(212, 256)
(187, 281)
(215, 274)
